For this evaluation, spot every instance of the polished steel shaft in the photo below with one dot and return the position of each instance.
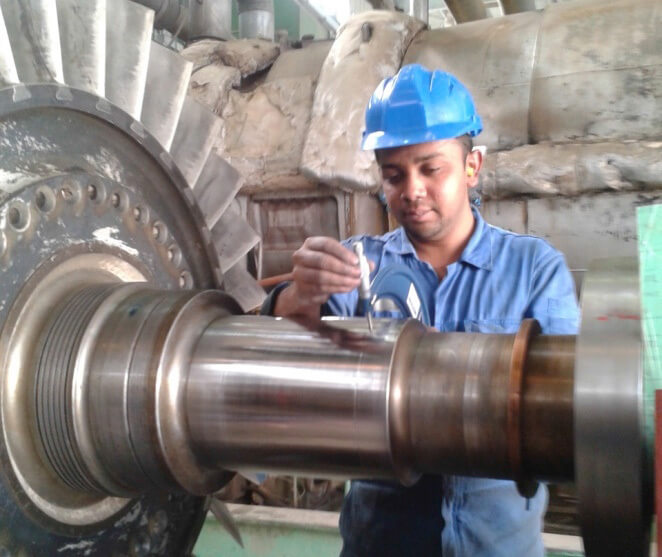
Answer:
(277, 395)
(172, 389)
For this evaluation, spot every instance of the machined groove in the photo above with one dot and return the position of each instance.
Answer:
(53, 398)
(83, 43)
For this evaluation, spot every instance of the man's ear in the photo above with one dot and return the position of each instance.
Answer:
(472, 166)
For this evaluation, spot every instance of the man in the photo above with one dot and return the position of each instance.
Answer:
(479, 278)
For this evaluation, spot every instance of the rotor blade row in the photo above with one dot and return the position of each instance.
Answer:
(105, 47)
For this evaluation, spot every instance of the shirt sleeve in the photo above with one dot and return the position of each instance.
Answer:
(552, 297)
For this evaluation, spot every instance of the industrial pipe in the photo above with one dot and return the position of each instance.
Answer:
(202, 18)
(256, 19)
(171, 15)
(517, 6)
(467, 10)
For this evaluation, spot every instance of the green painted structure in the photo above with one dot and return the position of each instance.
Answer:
(279, 532)
(289, 16)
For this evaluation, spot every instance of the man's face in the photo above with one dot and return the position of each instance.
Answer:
(426, 186)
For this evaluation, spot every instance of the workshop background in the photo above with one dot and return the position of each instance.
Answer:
(572, 137)
(258, 106)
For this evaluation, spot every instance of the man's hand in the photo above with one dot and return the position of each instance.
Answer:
(322, 266)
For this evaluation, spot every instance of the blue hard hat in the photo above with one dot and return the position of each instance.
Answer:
(418, 105)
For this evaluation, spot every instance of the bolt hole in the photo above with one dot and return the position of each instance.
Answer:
(45, 200)
(119, 200)
(19, 217)
(185, 280)
(96, 193)
(141, 214)
(160, 232)
(174, 255)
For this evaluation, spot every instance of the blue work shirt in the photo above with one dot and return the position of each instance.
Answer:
(500, 279)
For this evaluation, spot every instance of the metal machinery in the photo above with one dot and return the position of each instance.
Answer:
(130, 385)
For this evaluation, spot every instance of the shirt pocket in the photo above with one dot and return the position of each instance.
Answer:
(492, 326)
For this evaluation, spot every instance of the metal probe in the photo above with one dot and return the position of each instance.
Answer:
(364, 306)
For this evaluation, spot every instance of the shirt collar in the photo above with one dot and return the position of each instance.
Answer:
(477, 252)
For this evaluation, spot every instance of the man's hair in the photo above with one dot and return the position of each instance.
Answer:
(465, 141)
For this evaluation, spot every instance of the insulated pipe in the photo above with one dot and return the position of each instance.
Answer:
(530, 92)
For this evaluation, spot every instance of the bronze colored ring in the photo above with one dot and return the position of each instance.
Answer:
(528, 329)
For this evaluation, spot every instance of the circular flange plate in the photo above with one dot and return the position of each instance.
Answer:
(86, 196)
(613, 487)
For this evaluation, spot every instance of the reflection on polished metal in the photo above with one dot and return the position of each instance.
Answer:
(197, 391)
(614, 482)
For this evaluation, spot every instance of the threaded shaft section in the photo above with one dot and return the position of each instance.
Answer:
(53, 387)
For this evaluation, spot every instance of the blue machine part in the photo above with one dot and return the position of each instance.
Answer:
(396, 292)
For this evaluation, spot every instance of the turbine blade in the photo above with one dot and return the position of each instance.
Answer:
(168, 75)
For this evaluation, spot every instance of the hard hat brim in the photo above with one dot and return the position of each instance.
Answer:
(382, 140)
